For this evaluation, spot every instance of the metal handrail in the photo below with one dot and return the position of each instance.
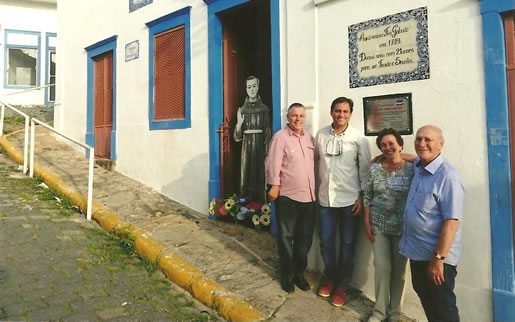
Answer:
(91, 158)
(26, 141)
(29, 89)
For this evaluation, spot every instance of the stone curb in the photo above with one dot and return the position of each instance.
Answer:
(180, 272)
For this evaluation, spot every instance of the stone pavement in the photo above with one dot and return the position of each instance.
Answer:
(228, 267)
(56, 265)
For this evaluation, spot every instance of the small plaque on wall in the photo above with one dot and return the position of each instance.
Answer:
(388, 111)
(391, 49)
(132, 50)
(136, 4)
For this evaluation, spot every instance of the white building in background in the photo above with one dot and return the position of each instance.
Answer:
(28, 50)
(154, 85)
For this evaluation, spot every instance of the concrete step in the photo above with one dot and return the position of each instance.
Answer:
(107, 164)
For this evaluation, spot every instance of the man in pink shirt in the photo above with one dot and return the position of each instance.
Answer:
(290, 173)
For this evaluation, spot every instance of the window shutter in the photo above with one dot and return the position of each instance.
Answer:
(169, 74)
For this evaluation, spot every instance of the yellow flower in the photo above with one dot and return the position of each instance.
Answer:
(229, 203)
(255, 219)
(265, 209)
(265, 219)
(212, 206)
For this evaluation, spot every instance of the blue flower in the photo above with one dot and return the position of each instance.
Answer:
(242, 213)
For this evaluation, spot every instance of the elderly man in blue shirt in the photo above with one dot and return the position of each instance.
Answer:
(432, 231)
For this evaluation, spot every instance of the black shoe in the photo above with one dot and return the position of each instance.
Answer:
(301, 283)
(287, 286)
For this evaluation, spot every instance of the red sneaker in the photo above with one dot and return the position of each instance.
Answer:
(338, 297)
(325, 289)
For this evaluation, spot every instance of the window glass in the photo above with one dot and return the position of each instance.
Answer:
(22, 66)
(51, 76)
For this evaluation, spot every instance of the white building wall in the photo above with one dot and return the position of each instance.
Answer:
(453, 99)
(26, 16)
(314, 70)
(174, 162)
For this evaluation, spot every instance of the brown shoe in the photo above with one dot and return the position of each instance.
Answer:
(325, 289)
(338, 297)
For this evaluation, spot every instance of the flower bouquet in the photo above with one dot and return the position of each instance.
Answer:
(241, 210)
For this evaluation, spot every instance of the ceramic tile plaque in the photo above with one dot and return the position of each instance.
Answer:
(132, 50)
(136, 4)
(390, 49)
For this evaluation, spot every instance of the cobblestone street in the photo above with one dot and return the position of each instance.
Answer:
(55, 265)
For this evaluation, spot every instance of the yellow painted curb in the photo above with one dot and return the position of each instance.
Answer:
(182, 273)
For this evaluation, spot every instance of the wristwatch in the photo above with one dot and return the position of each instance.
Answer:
(440, 257)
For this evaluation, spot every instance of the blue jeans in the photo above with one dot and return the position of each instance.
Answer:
(439, 302)
(338, 268)
(295, 224)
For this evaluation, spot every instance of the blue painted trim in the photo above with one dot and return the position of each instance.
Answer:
(49, 49)
(101, 44)
(172, 20)
(276, 63)
(497, 5)
(93, 51)
(496, 91)
(7, 46)
(216, 81)
(504, 304)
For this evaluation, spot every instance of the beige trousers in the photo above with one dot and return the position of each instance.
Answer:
(389, 277)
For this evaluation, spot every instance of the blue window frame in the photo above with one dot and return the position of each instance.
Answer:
(50, 65)
(168, 22)
(22, 58)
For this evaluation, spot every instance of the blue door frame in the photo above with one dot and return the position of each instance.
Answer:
(216, 81)
(98, 48)
(496, 94)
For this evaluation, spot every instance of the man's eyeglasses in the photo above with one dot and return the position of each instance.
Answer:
(334, 147)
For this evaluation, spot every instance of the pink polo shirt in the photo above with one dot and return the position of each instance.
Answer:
(290, 164)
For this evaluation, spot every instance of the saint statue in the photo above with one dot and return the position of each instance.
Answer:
(253, 130)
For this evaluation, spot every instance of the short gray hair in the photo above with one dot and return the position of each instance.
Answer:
(295, 105)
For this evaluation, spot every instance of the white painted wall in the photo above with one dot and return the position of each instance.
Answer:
(314, 70)
(453, 98)
(27, 17)
(173, 162)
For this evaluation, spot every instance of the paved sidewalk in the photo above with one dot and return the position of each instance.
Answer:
(228, 267)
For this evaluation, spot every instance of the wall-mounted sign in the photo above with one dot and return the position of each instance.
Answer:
(389, 50)
(136, 4)
(388, 111)
(132, 50)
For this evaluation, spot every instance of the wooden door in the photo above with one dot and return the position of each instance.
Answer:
(230, 153)
(103, 104)
(509, 33)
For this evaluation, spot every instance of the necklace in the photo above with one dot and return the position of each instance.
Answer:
(392, 170)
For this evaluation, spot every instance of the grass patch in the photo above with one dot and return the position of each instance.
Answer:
(14, 119)
(149, 266)
(3, 313)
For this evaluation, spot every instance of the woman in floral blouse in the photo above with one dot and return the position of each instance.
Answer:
(385, 198)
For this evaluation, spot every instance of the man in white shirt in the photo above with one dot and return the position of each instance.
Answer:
(343, 156)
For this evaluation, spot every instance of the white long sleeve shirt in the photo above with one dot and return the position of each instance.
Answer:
(342, 166)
